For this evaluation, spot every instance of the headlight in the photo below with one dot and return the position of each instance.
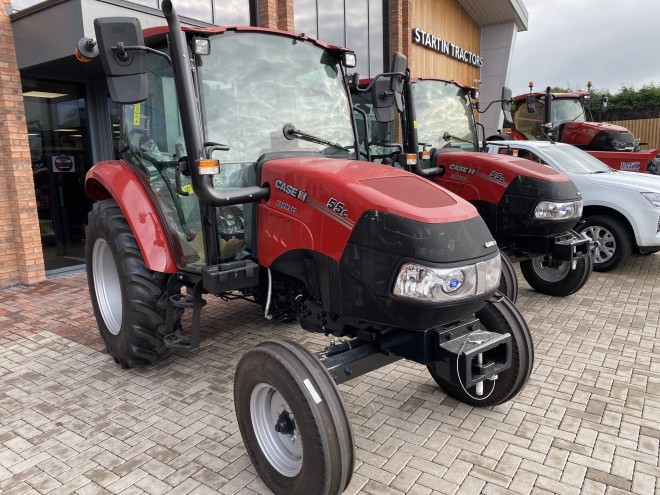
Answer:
(552, 210)
(416, 281)
(653, 198)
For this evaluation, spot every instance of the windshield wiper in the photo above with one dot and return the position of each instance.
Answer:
(449, 137)
(290, 132)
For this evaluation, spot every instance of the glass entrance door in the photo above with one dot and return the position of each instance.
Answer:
(58, 134)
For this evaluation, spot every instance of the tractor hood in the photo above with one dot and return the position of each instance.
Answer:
(362, 186)
(499, 169)
(598, 136)
(632, 181)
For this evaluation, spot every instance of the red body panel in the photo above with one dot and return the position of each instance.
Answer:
(297, 215)
(581, 133)
(629, 161)
(117, 180)
(513, 135)
(480, 176)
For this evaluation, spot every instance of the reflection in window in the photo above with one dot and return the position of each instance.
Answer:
(331, 22)
(148, 3)
(195, 9)
(357, 24)
(232, 12)
(305, 18)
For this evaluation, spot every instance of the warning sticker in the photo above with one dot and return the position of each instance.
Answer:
(136, 114)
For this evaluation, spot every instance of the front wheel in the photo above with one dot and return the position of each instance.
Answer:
(556, 278)
(293, 421)
(128, 299)
(498, 316)
(508, 279)
(612, 240)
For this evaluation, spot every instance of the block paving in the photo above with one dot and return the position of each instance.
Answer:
(72, 421)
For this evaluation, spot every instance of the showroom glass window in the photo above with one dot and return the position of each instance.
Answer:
(356, 24)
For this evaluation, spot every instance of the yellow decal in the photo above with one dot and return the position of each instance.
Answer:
(186, 188)
(136, 114)
(415, 124)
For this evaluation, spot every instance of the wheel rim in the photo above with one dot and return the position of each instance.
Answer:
(550, 273)
(604, 241)
(284, 451)
(107, 286)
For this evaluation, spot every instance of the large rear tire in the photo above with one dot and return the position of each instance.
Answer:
(128, 299)
(508, 279)
(293, 421)
(498, 316)
(558, 278)
(613, 241)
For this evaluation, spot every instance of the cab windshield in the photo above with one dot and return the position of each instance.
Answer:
(442, 108)
(255, 83)
(566, 110)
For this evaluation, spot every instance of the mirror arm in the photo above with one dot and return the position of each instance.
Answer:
(405, 75)
(121, 49)
(493, 102)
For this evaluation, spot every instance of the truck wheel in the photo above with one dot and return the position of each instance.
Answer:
(613, 242)
(128, 299)
(556, 280)
(508, 279)
(498, 316)
(292, 420)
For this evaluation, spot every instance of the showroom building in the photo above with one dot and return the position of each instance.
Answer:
(56, 118)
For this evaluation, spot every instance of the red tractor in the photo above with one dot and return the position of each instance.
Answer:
(239, 178)
(529, 208)
(562, 117)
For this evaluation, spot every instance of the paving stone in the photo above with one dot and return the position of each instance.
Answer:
(73, 422)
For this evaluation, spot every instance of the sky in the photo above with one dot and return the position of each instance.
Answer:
(569, 42)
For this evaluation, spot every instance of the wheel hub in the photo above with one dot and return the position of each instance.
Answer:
(276, 430)
(285, 424)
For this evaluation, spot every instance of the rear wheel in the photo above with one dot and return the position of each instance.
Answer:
(508, 279)
(556, 278)
(613, 242)
(292, 420)
(498, 316)
(128, 299)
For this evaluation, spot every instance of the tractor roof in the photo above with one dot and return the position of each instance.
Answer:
(540, 95)
(156, 34)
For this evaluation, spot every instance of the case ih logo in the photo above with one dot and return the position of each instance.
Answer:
(461, 168)
(299, 194)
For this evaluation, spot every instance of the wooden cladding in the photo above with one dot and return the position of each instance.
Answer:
(445, 19)
(646, 130)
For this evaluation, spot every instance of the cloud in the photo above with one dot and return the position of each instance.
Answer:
(570, 42)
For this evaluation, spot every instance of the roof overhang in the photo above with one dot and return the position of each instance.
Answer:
(492, 12)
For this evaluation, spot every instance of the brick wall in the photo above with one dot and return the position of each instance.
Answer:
(401, 15)
(21, 258)
(276, 14)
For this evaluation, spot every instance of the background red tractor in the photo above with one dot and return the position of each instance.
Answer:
(239, 178)
(566, 118)
(530, 209)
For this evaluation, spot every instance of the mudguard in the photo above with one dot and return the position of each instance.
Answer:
(116, 180)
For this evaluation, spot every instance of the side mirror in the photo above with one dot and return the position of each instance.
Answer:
(506, 104)
(603, 103)
(382, 99)
(124, 65)
(399, 64)
(531, 104)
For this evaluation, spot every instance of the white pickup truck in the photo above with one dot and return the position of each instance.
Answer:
(621, 209)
